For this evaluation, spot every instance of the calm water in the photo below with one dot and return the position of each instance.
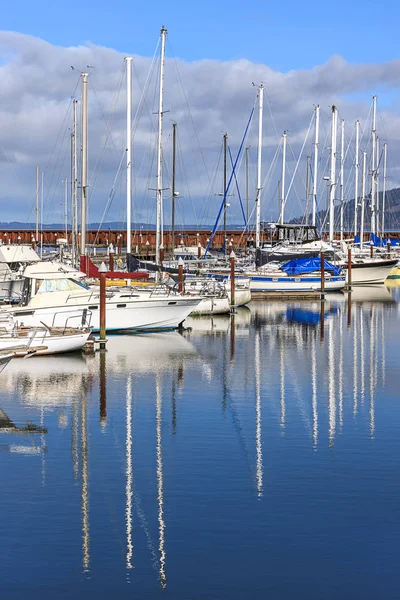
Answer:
(247, 458)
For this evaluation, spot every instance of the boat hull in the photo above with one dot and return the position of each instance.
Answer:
(46, 342)
(122, 314)
(365, 273)
(304, 284)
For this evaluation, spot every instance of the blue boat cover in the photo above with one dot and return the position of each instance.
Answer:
(377, 241)
(308, 265)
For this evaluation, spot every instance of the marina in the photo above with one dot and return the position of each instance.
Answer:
(262, 433)
(199, 303)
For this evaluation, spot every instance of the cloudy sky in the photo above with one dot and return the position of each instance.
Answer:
(213, 55)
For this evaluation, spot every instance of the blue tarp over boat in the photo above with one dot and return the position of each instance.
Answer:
(299, 266)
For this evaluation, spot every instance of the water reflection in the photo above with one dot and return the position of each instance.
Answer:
(255, 388)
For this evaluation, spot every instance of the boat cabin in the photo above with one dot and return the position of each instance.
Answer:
(293, 234)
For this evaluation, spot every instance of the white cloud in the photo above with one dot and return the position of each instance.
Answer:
(205, 98)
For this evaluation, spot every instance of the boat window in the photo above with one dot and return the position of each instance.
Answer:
(58, 285)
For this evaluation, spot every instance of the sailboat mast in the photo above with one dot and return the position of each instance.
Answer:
(342, 181)
(284, 137)
(307, 186)
(225, 182)
(316, 141)
(332, 175)
(74, 177)
(66, 208)
(384, 188)
(259, 155)
(128, 60)
(84, 163)
(37, 206)
(377, 214)
(159, 228)
(363, 176)
(247, 185)
(373, 173)
(356, 170)
(173, 186)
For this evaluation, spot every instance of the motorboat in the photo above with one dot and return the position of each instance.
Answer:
(55, 294)
(39, 340)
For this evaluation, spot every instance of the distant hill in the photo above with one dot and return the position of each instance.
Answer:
(392, 213)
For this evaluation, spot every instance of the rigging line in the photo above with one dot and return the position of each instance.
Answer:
(62, 129)
(237, 186)
(56, 142)
(181, 161)
(109, 199)
(190, 113)
(270, 112)
(230, 179)
(297, 164)
(213, 185)
(100, 155)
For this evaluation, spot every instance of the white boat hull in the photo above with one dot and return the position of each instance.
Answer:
(305, 284)
(212, 306)
(365, 273)
(122, 314)
(49, 344)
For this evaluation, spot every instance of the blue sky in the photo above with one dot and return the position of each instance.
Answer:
(289, 35)
(306, 54)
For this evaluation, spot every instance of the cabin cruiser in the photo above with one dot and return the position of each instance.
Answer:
(13, 260)
(289, 241)
(55, 294)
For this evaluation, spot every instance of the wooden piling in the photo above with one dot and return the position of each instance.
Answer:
(102, 274)
(180, 275)
(232, 261)
(349, 268)
(322, 274)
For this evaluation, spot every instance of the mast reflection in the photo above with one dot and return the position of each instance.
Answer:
(160, 483)
(85, 485)
(259, 458)
(129, 474)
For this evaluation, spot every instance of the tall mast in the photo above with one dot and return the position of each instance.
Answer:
(128, 60)
(283, 178)
(259, 154)
(37, 206)
(84, 164)
(314, 207)
(159, 231)
(225, 182)
(373, 173)
(307, 186)
(174, 194)
(363, 176)
(66, 207)
(377, 214)
(74, 181)
(384, 189)
(342, 180)
(356, 169)
(247, 185)
(332, 179)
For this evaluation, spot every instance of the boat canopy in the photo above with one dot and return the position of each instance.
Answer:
(299, 266)
(10, 253)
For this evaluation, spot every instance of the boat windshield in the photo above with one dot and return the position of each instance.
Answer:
(58, 285)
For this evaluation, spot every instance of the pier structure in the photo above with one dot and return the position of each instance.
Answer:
(143, 241)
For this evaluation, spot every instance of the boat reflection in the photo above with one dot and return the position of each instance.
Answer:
(272, 373)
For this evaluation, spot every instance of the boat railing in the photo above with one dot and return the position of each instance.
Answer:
(82, 317)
